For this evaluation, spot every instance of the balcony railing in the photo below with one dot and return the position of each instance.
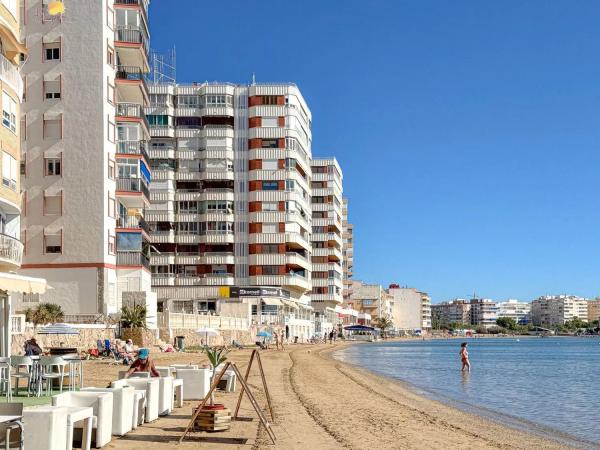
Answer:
(130, 73)
(133, 148)
(9, 74)
(133, 185)
(130, 33)
(132, 259)
(133, 222)
(132, 110)
(11, 249)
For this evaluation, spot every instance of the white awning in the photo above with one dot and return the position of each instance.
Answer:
(18, 283)
(271, 301)
(290, 304)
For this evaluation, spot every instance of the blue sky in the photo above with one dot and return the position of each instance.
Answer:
(468, 131)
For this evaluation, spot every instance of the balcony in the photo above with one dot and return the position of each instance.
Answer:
(9, 74)
(11, 252)
(129, 111)
(295, 282)
(133, 259)
(143, 4)
(132, 46)
(162, 131)
(133, 222)
(131, 84)
(133, 148)
(133, 192)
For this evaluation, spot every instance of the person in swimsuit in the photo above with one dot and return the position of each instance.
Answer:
(464, 356)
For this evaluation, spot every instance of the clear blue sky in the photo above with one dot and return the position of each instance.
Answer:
(468, 131)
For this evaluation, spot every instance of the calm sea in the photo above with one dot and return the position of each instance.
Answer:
(542, 382)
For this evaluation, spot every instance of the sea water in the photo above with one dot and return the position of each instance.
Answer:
(548, 383)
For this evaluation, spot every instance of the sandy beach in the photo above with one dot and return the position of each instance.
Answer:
(320, 403)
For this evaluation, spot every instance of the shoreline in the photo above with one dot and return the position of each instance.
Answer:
(498, 418)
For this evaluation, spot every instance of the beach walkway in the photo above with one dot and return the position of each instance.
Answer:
(320, 403)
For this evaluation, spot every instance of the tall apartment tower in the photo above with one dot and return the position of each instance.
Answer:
(327, 270)
(347, 250)
(85, 164)
(230, 195)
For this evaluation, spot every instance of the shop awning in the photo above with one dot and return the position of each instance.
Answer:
(271, 301)
(290, 304)
(18, 283)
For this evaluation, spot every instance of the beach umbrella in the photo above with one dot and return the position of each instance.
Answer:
(58, 328)
(264, 334)
(207, 332)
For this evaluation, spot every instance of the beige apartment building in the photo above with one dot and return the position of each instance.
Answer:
(455, 311)
(84, 156)
(593, 310)
(371, 299)
(558, 309)
(411, 309)
(347, 250)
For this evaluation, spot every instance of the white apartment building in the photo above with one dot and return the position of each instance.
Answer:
(347, 250)
(230, 198)
(455, 311)
(558, 309)
(85, 166)
(520, 312)
(411, 309)
(484, 312)
(326, 238)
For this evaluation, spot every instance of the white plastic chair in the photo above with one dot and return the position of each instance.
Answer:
(19, 362)
(166, 395)
(47, 365)
(5, 378)
(11, 433)
(52, 421)
(152, 388)
(229, 377)
(101, 402)
(123, 406)
(139, 408)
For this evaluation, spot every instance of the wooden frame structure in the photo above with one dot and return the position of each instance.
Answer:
(255, 353)
(245, 388)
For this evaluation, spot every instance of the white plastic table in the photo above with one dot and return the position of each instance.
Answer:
(139, 407)
(178, 387)
(75, 414)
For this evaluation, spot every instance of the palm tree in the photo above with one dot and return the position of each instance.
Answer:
(383, 323)
(133, 316)
(216, 356)
(44, 313)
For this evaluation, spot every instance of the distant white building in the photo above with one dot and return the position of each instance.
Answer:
(558, 309)
(514, 309)
(484, 312)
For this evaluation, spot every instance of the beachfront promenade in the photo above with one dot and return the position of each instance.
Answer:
(320, 403)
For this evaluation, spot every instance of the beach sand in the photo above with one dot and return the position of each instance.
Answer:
(320, 403)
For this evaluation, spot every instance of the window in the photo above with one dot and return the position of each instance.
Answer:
(51, 51)
(270, 270)
(110, 91)
(270, 248)
(112, 245)
(110, 56)
(269, 100)
(270, 206)
(270, 143)
(23, 128)
(270, 228)
(270, 185)
(31, 298)
(290, 185)
(23, 171)
(112, 206)
(129, 241)
(111, 130)
(9, 171)
(53, 204)
(270, 122)
(111, 169)
(52, 166)
(9, 112)
(110, 17)
(52, 89)
(53, 242)
(53, 128)
(270, 164)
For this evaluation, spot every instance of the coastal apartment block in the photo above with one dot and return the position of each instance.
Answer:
(326, 237)
(347, 250)
(520, 312)
(593, 307)
(484, 312)
(411, 309)
(456, 311)
(558, 309)
(231, 201)
(371, 301)
(85, 169)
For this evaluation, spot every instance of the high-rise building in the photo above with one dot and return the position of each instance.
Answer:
(231, 201)
(520, 312)
(484, 312)
(11, 133)
(455, 311)
(558, 309)
(593, 310)
(326, 239)
(347, 250)
(85, 166)
(411, 309)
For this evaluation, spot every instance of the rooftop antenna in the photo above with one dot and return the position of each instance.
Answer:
(253, 78)
(163, 67)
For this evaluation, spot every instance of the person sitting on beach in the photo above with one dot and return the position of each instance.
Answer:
(129, 346)
(464, 356)
(122, 352)
(32, 348)
(143, 363)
